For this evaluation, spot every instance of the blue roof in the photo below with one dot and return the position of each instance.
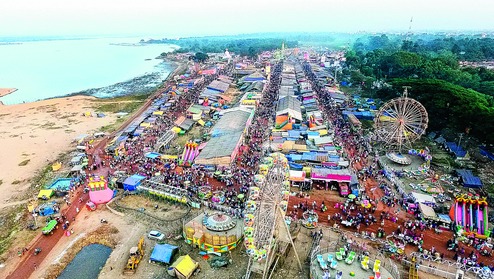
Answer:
(293, 134)
(469, 180)
(152, 155)
(457, 150)
(132, 182)
(294, 157)
(163, 253)
(485, 152)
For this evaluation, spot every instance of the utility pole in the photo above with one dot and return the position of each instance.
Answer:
(459, 141)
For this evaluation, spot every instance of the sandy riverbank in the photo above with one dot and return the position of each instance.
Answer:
(36, 133)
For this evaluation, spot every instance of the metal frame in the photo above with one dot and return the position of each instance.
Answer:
(400, 122)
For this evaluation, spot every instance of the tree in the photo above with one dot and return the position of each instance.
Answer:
(200, 57)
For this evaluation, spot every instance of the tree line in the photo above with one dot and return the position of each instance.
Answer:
(455, 97)
(250, 47)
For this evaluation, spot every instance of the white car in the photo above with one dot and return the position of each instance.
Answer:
(156, 235)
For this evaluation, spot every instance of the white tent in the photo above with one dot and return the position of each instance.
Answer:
(422, 198)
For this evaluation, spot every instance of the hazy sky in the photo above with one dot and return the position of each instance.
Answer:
(203, 17)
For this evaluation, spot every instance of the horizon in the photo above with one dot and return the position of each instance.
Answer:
(28, 38)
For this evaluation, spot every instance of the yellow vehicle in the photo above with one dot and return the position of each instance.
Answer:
(136, 255)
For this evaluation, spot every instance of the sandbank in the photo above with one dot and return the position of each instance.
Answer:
(36, 134)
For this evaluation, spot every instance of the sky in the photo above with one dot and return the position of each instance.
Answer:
(180, 18)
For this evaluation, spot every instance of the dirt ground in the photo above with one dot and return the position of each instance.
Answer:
(164, 211)
(33, 134)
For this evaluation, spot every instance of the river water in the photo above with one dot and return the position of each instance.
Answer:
(52, 68)
(87, 263)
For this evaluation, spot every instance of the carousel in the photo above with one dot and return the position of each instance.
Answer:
(213, 232)
(310, 219)
(218, 197)
(204, 192)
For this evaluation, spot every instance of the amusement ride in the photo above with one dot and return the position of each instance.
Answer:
(398, 123)
(266, 229)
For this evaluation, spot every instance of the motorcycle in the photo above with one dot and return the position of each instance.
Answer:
(37, 251)
(103, 221)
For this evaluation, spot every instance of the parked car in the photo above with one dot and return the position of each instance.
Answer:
(156, 235)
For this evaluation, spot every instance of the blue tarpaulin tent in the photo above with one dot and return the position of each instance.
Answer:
(131, 183)
(457, 150)
(152, 155)
(469, 180)
(163, 253)
(486, 153)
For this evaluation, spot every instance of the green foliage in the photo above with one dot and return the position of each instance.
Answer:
(200, 57)
(451, 106)
(246, 47)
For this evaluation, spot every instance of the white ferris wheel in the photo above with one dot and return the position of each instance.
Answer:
(400, 122)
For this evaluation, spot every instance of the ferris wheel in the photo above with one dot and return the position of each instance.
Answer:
(400, 122)
(264, 224)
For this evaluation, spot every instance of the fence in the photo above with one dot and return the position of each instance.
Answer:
(449, 268)
(386, 263)
(167, 225)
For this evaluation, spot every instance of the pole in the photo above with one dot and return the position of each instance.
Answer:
(459, 142)
(289, 237)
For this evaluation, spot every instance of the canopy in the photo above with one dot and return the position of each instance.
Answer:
(176, 130)
(422, 198)
(77, 168)
(163, 253)
(45, 194)
(444, 218)
(153, 155)
(427, 211)
(469, 180)
(131, 183)
(185, 265)
(298, 176)
(56, 166)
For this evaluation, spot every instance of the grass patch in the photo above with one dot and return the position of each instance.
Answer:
(112, 127)
(48, 125)
(10, 219)
(1, 182)
(23, 163)
(15, 182)
(119, 106)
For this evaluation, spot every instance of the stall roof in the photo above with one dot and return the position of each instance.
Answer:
(186, 125)
(163, 253)
(290, 105)
(422, 198)
(76, 168)
(297, 175)
(427, 211)
(469, 180)
(225, 135)
(323, 140)
(185, 265)
(219, 86)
